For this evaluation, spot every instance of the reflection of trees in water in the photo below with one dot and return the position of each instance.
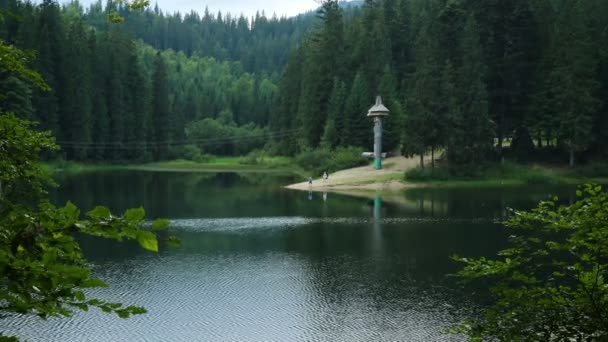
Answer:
(479, 203)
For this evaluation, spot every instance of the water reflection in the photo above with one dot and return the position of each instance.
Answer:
(260, 263)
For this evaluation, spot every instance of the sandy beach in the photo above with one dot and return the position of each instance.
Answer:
(365, 178)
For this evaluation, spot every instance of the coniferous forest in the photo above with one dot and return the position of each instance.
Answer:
(475, 81)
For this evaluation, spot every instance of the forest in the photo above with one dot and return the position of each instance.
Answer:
(475, 82)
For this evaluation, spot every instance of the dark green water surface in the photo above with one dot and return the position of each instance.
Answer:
(260, 263)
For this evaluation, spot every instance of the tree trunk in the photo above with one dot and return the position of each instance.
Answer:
(422, 161)
(571, 157)
(540, 141)
(433, 158)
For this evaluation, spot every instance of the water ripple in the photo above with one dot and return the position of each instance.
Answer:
(269, 223)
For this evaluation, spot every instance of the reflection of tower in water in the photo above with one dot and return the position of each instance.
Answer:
(377, 231)
(380, 249)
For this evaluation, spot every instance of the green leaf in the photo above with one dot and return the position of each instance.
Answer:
(160, 224)
(100, 213)
(174, 242)
(71, 211)
(79, 295)
(579, 193)
(148, 240)
(90, 283)
(136, 214)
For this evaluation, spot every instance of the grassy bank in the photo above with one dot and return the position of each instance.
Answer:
(508, 174)
(215, 164)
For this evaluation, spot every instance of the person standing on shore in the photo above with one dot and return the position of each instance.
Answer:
(309, 182)
(325, 176)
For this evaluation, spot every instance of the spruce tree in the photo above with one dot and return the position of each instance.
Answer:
(572, 84)
(358, 127)
(472, 142)
(76, 118)
(160, 110)
(335, 120)
(392, 125)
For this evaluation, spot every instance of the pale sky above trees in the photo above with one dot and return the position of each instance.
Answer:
(246, 7)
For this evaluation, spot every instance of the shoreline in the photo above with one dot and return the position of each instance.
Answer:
(218, 165)
(365, 178)
(367, 181)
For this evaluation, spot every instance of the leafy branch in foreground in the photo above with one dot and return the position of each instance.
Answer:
(42, 267)
(551, 283)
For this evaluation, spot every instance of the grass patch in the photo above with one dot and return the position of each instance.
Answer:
(495, 175)
(77, 167)
(320, 160)
(217, 164)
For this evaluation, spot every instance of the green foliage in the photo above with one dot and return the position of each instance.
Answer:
(521, 173)
(20, 146)
(42, 268)
(15, 61)
(419, 174)
(320, 160)
(215, 137)
(550, 283)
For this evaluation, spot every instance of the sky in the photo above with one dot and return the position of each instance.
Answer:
(246, 7)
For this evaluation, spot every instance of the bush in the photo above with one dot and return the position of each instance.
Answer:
(345, 158)
(505, 171)
(549, 284)
(191, 152)
(314, 160)
(320, 160)
(255, 157)
(592, 170)
(419, 174)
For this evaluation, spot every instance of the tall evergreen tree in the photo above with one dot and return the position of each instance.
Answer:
(50, 62)
(358, 127)
(470, 144)
(424, 124)
(572, 84)
(323, 62)
(160, 110)
(392, 125)
(336, 120)
(137, 110)
(76, 120)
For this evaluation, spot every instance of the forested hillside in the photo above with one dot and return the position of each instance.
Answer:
(461, 76)
(211, 82)
(476, 81)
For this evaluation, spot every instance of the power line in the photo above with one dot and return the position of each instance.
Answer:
(200, 142)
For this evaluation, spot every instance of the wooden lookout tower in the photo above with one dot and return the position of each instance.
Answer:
(378, 112)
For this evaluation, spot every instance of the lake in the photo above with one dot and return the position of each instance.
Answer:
(260, 263)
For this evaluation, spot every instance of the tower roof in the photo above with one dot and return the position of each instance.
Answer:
(378, 109)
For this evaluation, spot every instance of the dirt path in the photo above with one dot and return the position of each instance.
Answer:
(365, 178)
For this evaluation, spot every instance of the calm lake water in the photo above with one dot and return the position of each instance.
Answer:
(260, 263)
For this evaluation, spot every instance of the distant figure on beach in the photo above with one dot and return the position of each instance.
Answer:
(325, 176)
(310, 181)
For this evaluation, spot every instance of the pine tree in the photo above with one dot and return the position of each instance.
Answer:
(472, 138)
(335, 120)
(49, 40)
(160, 109)
(571, 84)
(323, 62)
(137, 118)
(283, 117)
(392, 124)
(424, 127)
(510, 35)
(76, 117)
(358, 127)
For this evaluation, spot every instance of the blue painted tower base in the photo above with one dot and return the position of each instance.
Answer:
(378, 164)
